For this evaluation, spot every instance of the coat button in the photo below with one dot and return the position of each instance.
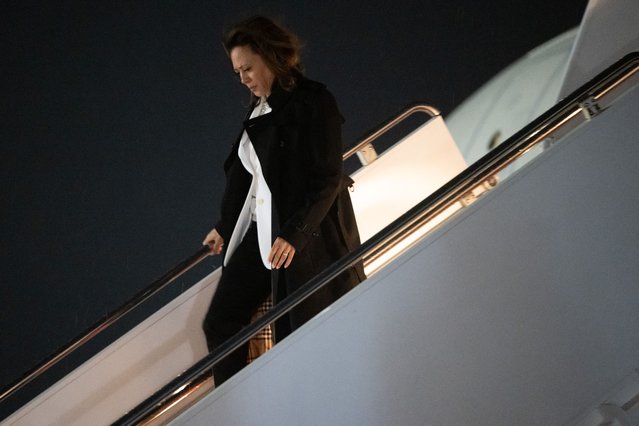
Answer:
(260, 201)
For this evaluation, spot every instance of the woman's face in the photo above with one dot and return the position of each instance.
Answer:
(252, 70)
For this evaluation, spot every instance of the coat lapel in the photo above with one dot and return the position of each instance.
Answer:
(263, 130)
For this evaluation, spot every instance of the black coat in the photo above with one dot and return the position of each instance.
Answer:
(299, 146)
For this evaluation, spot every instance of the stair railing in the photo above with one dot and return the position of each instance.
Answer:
(580, 107)
(169, 277)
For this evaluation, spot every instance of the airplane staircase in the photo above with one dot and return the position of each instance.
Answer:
(509, 303)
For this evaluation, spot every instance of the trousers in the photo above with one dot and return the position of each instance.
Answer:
(245, 283)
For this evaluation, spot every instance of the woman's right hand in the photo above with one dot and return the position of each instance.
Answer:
(215, 241)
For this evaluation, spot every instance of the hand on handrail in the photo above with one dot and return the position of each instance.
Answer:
(215, 241)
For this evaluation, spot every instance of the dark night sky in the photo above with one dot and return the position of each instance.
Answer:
(117, 117)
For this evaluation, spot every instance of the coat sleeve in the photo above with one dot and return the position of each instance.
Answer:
(323, 139)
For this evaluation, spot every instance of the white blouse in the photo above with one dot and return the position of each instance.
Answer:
(257, 206)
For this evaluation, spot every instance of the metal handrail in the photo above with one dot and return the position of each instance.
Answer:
(558, 118)
(173, 274)
(427, 109)
(109, 320)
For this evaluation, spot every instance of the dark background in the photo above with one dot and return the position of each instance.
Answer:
(117, 117)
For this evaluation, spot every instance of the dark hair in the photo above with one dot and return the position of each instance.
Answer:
(278, 47)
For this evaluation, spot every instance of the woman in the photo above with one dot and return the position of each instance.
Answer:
(286, 212)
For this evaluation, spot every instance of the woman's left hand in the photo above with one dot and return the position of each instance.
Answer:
(281, 253)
